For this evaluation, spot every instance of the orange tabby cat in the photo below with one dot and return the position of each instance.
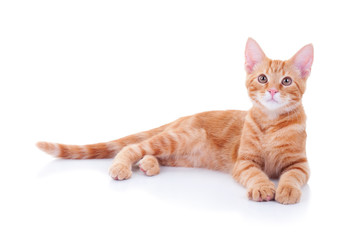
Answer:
(266, 142)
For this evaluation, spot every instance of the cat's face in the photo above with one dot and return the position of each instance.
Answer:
(273, 85)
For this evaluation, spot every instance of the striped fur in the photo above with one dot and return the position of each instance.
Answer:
(268, 141)
(95, 151)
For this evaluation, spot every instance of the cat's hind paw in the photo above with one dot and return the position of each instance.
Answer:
(120, 171)
(149, 165)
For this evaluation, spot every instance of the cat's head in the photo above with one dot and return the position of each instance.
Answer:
(273, 85)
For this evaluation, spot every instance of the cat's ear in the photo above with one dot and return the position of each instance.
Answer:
(253, 55)
(303, 60)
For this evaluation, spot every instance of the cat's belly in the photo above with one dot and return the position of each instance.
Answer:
(199, 158)
(195, 149)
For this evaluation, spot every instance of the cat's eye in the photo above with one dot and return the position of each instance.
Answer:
(286, 81)
(262, 79)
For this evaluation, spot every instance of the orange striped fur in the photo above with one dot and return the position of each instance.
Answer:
(268, 141)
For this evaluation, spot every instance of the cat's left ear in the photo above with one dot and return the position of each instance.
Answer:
(303, 60)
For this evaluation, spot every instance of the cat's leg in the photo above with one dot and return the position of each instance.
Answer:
(248, 172)
(163, 145)
(293, 177)
(249, 163)
(122, 164)
(149, 165)
(250, 175)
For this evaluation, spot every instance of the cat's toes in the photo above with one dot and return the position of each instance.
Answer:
(149, 165)
(120, 171)
(287, 194)
(262, 192)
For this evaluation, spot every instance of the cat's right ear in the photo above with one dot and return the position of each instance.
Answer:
(253, 55)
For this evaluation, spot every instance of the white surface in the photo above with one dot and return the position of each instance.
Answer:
(89, 71)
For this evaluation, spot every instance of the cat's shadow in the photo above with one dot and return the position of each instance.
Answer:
(198, 188)
(65, 165)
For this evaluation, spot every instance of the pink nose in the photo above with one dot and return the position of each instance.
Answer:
(273, 91)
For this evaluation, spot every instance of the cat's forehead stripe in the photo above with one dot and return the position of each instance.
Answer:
(275, 66)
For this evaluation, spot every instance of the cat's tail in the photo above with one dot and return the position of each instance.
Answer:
(98, 150)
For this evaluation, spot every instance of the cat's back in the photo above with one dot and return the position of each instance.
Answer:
(219, 129)
(214, 122)
(223, 128)
(220, 122)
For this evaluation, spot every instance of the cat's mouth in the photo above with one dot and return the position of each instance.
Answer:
(272, 100)
(271, 103)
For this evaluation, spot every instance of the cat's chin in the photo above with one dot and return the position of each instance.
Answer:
(269, 103)
(273, 108)
(272, 105)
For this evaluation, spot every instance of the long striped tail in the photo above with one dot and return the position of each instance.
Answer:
(98, 150)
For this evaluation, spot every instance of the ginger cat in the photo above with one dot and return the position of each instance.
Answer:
(268, 141)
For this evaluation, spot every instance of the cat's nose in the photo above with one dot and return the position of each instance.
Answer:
(273, 91)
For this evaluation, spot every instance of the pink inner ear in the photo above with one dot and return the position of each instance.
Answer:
(253, 55)
(249, 64)
(303, 60)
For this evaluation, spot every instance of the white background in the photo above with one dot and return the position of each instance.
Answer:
(90, 71)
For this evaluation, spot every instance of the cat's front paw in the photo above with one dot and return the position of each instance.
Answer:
(120, 171)
(287, 194)
(262, 192)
